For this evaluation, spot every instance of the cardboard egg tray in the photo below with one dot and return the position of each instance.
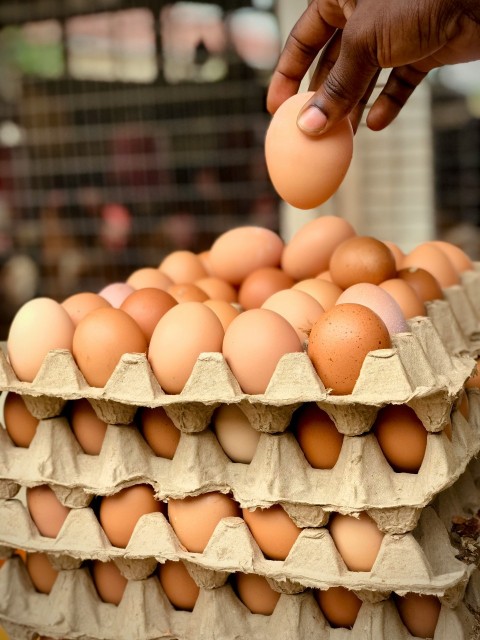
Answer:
(422, 561)
(418, 371)
(146, 614)
(361, 480)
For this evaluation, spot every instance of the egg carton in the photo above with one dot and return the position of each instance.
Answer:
(422, 561)
(361, 480)
(74, 610)
(418, 371)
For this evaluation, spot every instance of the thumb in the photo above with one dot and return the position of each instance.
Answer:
(347, 84)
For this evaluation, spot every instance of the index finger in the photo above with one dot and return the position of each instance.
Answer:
(307, 37)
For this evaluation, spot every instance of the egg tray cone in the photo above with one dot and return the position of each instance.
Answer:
(74, 610)
(419, 371)
(361, 480)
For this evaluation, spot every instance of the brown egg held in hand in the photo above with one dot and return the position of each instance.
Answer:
(273, 530)
(80, 304)
(179, 586)
(159, 431)
(146, 306)
(306, 170)
(255, 593)
(46, 510)
(181, 335)
(120, 512)
(361, 259)
(237, 252)
(339, 342)
(419, 613)
(402, 437)
(317, 435)
(88, 428)
(41, 572)
(234, 433)
(339, 606)
(195, 518)
(358, 540)
(108, 581)
(21, 426)
(308, 252)
(101, 339)
(38, 327)
(253, 345)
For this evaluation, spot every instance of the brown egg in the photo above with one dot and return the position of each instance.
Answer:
(108, 581)
(194, 518)
(101, 339)
(21, 426)
(324, 292)
(255, 593)
(457, 256)
(159, 431)
(79, 304)
(234, 433)
(239, 251)
(325, 275)
(405, 296)
(86, 425)
(183, 266)
(361, 259)
(179, 586)
(425, 285)
(419, 613)
(306, 170)
(39, 326)
(309, 251)
(339, 606)
(261, 284)
(217, 289)
(432, 259)
(120, 512)
(41, 572)
(225, 311)
(317, 435)
(187, 292)
(273, 530)
(473, 382)
(146, 306)
(46, 510)
(300, 309)
(339, 342)
(254, 343)
(358, 540)
(401, 436)
(181, 335)
(149, 277)
(396, 251)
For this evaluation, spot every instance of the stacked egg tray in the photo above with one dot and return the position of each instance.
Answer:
(426, 369)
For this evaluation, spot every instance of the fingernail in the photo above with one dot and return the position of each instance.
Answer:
(312, 120)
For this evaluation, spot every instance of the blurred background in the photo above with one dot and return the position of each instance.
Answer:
(131, 129)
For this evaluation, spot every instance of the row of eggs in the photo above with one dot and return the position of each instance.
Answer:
(400, 433)
(338, 316)
(339, 606)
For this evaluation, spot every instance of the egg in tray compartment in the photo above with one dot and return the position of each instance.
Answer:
(176, 604)
(391, 472)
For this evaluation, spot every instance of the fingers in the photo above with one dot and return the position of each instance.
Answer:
(400, 85)
(344, 90)
(306, 39)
